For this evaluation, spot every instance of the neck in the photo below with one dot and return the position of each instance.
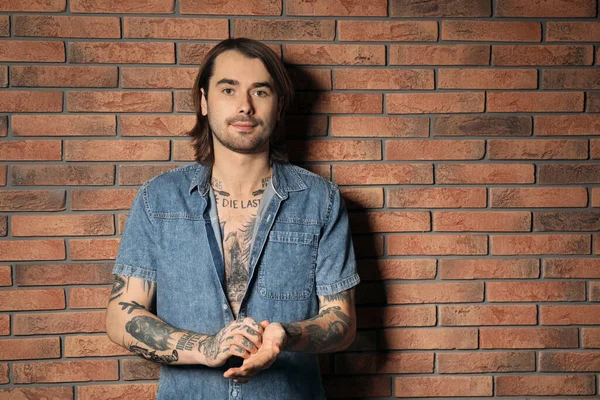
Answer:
(241, 173)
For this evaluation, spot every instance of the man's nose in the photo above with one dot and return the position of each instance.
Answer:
(246, 106)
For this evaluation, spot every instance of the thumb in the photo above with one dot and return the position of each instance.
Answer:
(264, 323)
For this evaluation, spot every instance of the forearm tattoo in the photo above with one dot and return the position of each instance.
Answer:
(188, 340)
(153, 332)
(151, 355)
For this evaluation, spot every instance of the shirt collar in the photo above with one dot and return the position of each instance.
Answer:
(285, 179)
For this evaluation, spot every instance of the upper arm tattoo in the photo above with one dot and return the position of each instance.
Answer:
(120, 285)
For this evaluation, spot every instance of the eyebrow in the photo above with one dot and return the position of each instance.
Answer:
(233, 82)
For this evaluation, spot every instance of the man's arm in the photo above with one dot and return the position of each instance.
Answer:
(333, 329)
(129, 323)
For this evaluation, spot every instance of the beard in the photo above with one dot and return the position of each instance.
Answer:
(250, 142)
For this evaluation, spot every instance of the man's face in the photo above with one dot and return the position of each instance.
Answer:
(242, 104)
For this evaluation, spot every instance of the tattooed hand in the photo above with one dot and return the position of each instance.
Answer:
(240, 338)
(273, 341)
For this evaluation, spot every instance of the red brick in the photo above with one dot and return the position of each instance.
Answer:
(491, 31)
(535, 291)
(369, 174)
(437, 244)
(545, 8)
(571, 31)
(31, 150)
(3, 225)
(121, 219)
(424, 103)
(34, 5)
(566, 361)
(385, 126)
(359, 198)
(194, 53)
(485, 173)
(391, 363)
(480, 125)
(459, 54)
(590, 338)
(481, 362)
(92, 346)
(3, 83)
(471, 78)
(63, 175)
(231, 7)
(595, 197)
(5, 31)
(534, 101)
(572, 268)
(62, 225)
(63, 274)
(528, 338)
(530, 149)
(309, 79)
(396, 269)
(436, 197)
(390, 222)
(138, 174)
(438, 292)
(141, 391)
(63, 125)
(5, 275)
(435, 149)
(566, 221)
(119, 101)
(338, 103)
(29, 250)
(156, 125)
(64, 76)
(334, 150)
(440, 8)
(31, 101)
(570, 315)
(133, 370)
(484, 221)
(334, 54)
(4, 371)
(581, 124)
(116, 150)
(291, 29)
(538, 197)
(29, 349)
(66, 371)
(121, 52)
(338, 387)
(31, 51)
(103, 199)
(489, 268)
(3, 170)
(45, 393)
(571, 79)
(175, 28)
(488, 315)
(430, 386)
(428, 338)
(595, 149)
(554, 385)
(336, 8)
(540, 244)
(569, 173)
(93, 249)
(60, 322)
(379, 317)
(386, 31)
(391, 79)
(161, 78)
(89, 297)
(184, 101)
(123, 7)
(32, 200)
(67, 26)
(542, 55)
(32, 299)
(183, 150)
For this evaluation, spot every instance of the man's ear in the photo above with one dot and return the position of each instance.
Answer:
(203, 103)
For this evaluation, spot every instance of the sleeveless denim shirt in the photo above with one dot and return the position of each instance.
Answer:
(302, 249)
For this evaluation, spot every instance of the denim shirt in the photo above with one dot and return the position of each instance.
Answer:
(302, 249)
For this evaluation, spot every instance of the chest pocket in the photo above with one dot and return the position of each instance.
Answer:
(287, 268)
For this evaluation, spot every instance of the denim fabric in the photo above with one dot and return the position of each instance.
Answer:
(302, 248)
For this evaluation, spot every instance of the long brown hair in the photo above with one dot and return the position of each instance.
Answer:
(201, 134)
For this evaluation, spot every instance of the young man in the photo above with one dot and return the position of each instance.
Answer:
(235, 271)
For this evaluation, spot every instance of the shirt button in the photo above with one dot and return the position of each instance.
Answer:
(235, 393)
(224, 306)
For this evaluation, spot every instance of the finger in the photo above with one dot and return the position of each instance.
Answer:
(264, 323)
(241, 380)
(246, 344)
(252, 323)
(249, 333)
(238, 351)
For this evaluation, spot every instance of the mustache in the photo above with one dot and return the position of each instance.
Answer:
(243, 119)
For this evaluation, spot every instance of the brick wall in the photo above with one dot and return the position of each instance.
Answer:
(462, 134)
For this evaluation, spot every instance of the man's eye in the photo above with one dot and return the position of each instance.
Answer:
(261, 93)
(228, 91)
